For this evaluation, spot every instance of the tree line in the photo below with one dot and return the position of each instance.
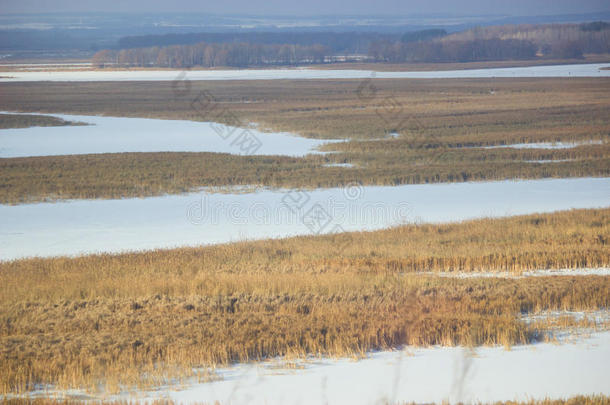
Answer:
(212, 55)
(508, 42)
(452, 51)
(551, 40)
(338, 42)
(423, 35)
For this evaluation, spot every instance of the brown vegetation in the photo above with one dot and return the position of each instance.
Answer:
(25, 180)
(111, 318)
(522, 110)
(26, 121)
(577, 400)
(434, 118)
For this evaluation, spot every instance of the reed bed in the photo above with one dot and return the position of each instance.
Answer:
(104, 322)
(26, 180)
(532, 108)
(442, 127)
(26, 121)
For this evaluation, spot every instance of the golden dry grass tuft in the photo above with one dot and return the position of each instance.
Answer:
(103, 321)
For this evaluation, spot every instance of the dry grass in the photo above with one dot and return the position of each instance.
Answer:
(523, 109)
(26, 121)
(435, 119)
(577, 400)
(24, 180)
(137, 319)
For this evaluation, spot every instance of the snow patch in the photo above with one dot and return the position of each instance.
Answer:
(601, 271)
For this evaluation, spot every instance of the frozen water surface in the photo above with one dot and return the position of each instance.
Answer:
(422, 375)
(88, 226)
(116, 135)
(578, 70)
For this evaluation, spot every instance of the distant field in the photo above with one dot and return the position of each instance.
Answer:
(137, 318)
(401, 131)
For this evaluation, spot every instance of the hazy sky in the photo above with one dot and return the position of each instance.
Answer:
(309, 7)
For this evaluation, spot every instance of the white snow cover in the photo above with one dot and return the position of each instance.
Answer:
(541, 161)
(344, 165)
(545, 145)
(598, 316)
(421, 375)
(115, 135)
(578, 70)
(87, 226)
(599, 271)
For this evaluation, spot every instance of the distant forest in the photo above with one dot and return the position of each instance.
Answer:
(495, 43)
(337, 42)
